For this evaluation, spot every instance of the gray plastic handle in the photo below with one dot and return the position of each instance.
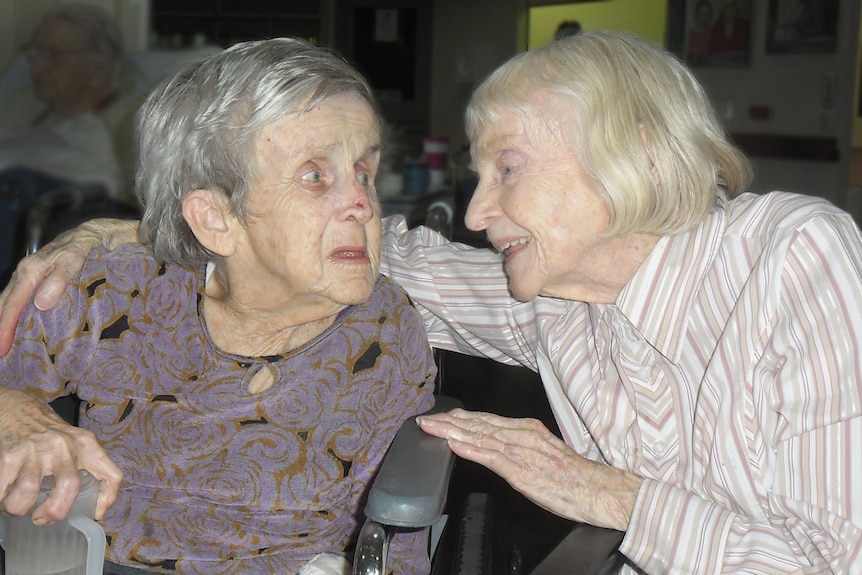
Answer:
(411, 488)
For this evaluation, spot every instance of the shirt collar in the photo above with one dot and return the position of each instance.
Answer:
(659, 297)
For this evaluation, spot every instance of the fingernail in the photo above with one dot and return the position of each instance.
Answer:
(40, 521)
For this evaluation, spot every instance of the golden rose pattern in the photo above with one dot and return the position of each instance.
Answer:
(219, 480)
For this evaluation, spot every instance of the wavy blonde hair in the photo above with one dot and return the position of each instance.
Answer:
(644, 130)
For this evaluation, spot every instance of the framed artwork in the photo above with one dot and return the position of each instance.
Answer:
(718, 33)
(802, 27)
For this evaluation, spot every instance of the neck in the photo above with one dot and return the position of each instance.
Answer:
(244, 324)
(607, 271)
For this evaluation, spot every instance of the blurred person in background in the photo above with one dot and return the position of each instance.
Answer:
(74, 122)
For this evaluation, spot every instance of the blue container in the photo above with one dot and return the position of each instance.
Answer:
(415, 178)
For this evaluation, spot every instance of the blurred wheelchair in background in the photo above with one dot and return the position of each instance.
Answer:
(35, 208)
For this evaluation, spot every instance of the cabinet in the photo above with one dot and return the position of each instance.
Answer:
(390, 42)
(177, 23)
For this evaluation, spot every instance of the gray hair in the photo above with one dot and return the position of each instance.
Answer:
(645, 132)
(102, 31)
(198, 129)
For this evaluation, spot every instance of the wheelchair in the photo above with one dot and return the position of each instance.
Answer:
(412, 487)
(36, 207)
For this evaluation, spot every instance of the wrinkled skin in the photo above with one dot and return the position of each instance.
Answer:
(540, 466)
(37, 442)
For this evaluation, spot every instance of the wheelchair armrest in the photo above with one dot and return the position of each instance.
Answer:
(410, 488)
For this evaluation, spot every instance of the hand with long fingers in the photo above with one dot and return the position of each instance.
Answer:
(53, 267)
(36, 443)
(540, 466)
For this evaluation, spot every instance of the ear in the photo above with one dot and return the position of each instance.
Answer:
(211, 219)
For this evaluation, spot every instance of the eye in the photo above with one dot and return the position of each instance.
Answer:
(364, 178)
(505, 170)
(313, 177)
(508, 164)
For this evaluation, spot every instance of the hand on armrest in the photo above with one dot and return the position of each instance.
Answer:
(49, 271)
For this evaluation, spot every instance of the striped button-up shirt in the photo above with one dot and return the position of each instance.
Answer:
(727, 374)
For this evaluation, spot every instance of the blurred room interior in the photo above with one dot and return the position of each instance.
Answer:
(790, 101)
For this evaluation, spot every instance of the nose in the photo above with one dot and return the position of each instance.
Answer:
(359, 203)
(481, 208)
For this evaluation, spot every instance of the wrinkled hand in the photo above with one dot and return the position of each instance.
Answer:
(36, 443)
(540, 466)
(49, 271)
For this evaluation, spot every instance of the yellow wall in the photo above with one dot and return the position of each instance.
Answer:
(647, 18)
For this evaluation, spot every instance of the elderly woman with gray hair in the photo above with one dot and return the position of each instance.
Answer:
(699, 345)
(245, 368)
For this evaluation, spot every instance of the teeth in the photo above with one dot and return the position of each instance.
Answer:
(505, 247)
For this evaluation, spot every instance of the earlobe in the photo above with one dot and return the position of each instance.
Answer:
(209, 216)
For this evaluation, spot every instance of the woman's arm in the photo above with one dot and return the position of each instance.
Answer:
(462, 294)
(53, 267)
(34, 442)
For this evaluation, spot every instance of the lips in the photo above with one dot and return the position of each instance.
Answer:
(350, 254)
(509, 247)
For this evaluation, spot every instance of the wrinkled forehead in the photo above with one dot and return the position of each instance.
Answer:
(344, 120)
(541, 118)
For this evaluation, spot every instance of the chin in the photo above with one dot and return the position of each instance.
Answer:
(518, 290)
(522, 294)
(355, 292)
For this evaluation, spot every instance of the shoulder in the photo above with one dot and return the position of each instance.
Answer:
(389, 312)
(132, 267)
(389, 295)
(782, 212)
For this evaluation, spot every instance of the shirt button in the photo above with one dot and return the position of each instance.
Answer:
(659, 447)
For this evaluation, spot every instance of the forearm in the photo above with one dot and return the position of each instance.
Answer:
(20, 411)
(673, 531)
(611, 496)
(461, 292)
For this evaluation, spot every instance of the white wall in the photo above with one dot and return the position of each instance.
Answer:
(793, 87)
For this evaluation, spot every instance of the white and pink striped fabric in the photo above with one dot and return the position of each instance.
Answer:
(727, 374)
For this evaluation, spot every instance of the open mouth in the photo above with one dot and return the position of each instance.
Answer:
(509, 247)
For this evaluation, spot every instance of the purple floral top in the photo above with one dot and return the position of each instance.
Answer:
(217, 479)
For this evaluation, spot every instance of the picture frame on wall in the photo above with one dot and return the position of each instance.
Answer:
(718, 33)
(802, 27)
